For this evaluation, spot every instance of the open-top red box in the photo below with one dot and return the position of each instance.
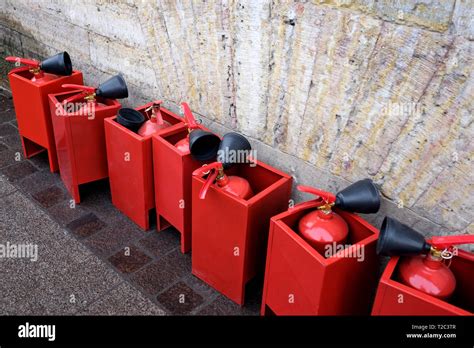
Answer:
(130, 164)
(229, 233)
(80, 141)
(33, 112)
(173, 173)
(395, 298)
(301, 281)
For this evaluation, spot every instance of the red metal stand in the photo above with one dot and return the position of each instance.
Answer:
(80, 142)
(395, 298)
(229, 234)
(33, 113)
(301, 281)
(173, 172)
(130, 164)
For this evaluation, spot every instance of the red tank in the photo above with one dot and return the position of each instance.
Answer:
(183, 145)
(428, 274)
(422, 264)
(155, 121)
(322, 227)
(235, 185)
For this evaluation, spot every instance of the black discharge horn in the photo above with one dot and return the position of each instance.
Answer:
(113, 88)
(203, 145)
(231, 148)
(360, 197)
(59, 64)
(399, 239)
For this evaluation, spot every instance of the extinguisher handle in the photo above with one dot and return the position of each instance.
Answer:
(149, 107)
(209, 181)
(211, 169)
(153, 103)
(30, 62)
(442, 242)
(86, 89)
(207, 167)
(159, 116)
(188, 115)
(73, 98)
(327, 196)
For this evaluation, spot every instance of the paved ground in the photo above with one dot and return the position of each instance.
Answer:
(83, 266)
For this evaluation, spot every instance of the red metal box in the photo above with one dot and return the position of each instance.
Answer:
(395, 298)
(173, 171)
(33, 112)
(80, 141)
(301, 281)
(130, 164)
(229, 234)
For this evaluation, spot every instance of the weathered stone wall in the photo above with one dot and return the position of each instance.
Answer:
(329, 91)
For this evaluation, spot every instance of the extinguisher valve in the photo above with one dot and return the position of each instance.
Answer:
(153, 107)
(215, 171)
(90, 97)
(326, 208)
(328, 198)
(88, 93)
(445, 254)
(35, 71)
(155, 115)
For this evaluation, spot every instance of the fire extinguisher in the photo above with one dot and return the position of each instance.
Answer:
(48, 69)
(155, 120)
(322, 226)
(232, 184)
(235, 185)
(423, 263)
(113, 88)
(201, 144)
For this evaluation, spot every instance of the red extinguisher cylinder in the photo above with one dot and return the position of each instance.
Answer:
(155, 121)
(322, 227)
(423, 263)
(428, 274)
(183, 145)
(234, 185)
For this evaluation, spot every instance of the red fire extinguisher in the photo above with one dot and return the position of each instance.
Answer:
(423, 265)
(155, 120)
(232, 143)
(48, 69)
(323, 227)
(234, 185)
(201, 144)
(113, 88)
